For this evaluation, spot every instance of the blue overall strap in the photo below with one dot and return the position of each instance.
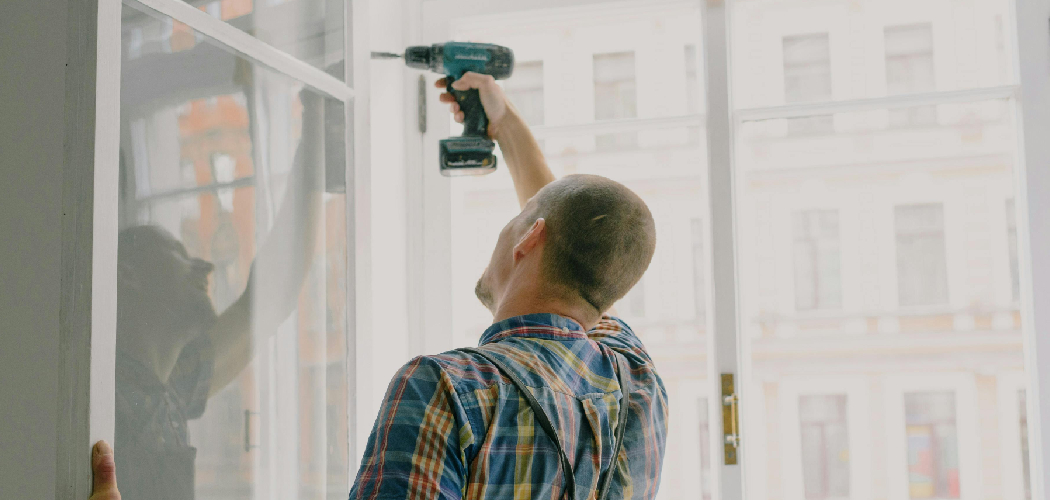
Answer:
(545, 422)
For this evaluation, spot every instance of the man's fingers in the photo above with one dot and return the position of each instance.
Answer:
(441, 83)
(454, 107)
(104, 473)
(446, 97)
(459, 117)
(471, 80)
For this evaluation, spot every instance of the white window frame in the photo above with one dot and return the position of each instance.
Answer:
(87, 375)
(1032, 204)
(429, 227)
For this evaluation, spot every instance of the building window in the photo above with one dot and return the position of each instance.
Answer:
(705, 452)
(692, 79)
(1011, 243)
(525, 90)
(933, 450)
(818, 282)
(909, 70)
(635, 299)
(825, 446)
(693, 91)
(922, 268)
(699, 281)
(807, 78)
(615, 97)
(1026, 469)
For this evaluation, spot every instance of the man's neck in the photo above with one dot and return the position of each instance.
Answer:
(530, 300)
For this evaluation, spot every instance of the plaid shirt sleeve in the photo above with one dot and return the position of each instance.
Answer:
(418, 446)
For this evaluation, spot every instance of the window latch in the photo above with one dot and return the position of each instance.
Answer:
(730, 420)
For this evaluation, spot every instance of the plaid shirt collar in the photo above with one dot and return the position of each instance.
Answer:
(537, 326)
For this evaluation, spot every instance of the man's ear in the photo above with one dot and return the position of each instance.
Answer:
(536, 235)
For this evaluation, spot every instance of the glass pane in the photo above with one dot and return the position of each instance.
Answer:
(231, 377)
(310, 30)
(666, 166)
(879, 256)
(798, 50)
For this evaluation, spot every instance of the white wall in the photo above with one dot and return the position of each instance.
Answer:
(32, 98)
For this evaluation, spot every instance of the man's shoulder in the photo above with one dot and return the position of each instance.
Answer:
(615, 333)
(463, 371)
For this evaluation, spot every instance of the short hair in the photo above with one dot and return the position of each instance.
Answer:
(600, 237)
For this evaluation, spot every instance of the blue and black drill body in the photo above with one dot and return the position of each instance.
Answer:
(470, 153)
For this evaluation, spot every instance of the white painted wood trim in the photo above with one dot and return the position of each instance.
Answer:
(895, 101)
(1033, 229)
(252, 47)
(359, 227)
(723, 318)
(88, 307)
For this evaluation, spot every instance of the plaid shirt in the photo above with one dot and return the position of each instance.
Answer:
(451, 426)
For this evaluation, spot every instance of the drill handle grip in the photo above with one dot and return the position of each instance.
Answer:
(475, 121)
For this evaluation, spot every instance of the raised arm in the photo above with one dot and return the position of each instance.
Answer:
(521, 152)
(283, 260)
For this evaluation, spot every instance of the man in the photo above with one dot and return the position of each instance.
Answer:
(451, 426)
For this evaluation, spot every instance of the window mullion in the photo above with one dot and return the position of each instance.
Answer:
(1033, 49)
(252, 47)
(723, 343)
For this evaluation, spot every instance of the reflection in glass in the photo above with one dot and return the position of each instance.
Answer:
(309, 30)
(231, 377)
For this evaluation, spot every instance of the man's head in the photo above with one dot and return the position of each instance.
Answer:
(159, 286)
(582, 241)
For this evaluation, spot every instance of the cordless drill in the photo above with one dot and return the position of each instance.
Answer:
(470, 153)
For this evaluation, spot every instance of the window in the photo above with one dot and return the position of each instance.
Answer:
(817, 268)
(933, 452)
(615, 97)
(525, 90)
(705, 451)
(699, 267)
(1026, 466)
(825, 446)
(922, 269)
(634, 301)
(1011, 247)
(226, 384)
(909, 69)
(807, 78)
(692, 80)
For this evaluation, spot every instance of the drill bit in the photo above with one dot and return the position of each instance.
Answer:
(386, 55)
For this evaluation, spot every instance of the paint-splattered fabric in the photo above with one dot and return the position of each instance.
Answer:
(451, 426)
